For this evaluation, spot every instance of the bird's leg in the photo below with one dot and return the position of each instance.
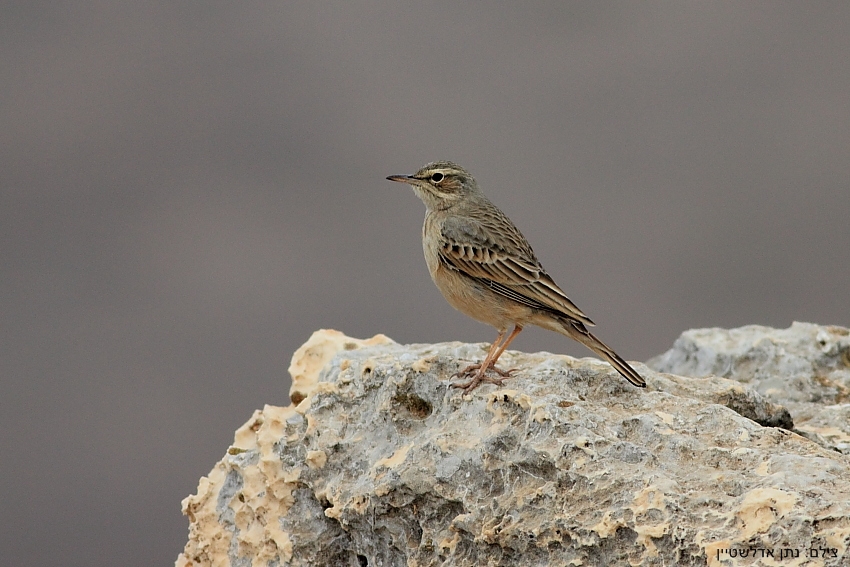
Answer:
(483, 365)
(511, 337)
(489, 364)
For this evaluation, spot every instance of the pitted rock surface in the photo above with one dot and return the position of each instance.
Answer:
(380, 463)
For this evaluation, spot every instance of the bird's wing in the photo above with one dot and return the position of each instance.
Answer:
(494, 252)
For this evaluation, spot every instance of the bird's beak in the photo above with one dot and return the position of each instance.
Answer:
(403, 179)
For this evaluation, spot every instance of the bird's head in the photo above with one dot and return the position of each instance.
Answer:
(440, 184)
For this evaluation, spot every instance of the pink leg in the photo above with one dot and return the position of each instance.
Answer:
(489, 364)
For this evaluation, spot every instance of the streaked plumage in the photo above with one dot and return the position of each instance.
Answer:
(485, 268)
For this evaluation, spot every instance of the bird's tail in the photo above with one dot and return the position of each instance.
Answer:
(577, 330)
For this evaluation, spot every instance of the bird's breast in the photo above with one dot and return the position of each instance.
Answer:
(431, 243)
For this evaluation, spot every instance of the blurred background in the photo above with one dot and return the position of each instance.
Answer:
(190, 189)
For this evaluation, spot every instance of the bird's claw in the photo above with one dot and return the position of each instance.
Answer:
(479, 376)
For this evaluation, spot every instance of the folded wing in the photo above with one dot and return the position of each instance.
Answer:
(471, 247)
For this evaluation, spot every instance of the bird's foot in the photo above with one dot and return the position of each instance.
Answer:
(479, 376)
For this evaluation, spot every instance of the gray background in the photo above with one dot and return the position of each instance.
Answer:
(189, 189)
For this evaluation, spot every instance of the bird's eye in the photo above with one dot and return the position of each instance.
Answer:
(437, 177)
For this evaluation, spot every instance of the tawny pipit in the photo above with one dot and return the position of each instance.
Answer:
(484, 267)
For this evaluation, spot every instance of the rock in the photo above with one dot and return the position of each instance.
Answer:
(380, 463)
(805, 368)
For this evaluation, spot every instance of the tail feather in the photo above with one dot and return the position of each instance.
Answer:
(579, 332)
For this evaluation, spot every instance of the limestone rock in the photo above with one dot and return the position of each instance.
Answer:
(805, 368)
(380, 463)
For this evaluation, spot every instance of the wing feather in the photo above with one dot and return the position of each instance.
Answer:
(504, 262)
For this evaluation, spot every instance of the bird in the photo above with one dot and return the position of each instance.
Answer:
(486, 269)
